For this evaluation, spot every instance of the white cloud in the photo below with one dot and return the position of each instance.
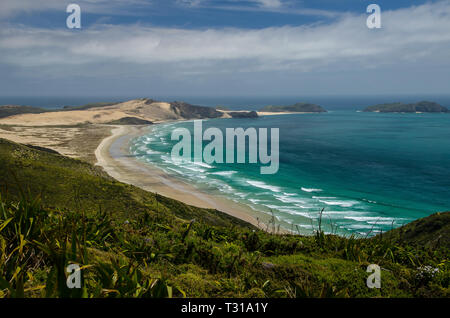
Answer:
(272, 6)
(269, 3)
(190, 3)
(409, 37)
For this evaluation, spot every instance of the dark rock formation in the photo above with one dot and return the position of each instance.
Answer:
(130, 121)
(296, 108)
(420, 107)
(251, 114)
(189, 111)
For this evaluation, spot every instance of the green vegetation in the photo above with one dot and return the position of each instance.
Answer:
(130, 121)
(11, 110)
(420, 107)
(432, 232)
(188, 111)
(296, 108)
(55, 211)
(251, 114)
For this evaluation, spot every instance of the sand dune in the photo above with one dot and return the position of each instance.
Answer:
(140, 108)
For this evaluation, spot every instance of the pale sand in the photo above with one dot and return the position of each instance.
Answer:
(138, 108)
(77, 142)
(113, 155)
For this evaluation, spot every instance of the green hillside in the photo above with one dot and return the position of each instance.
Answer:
(11, 110)
(131, 243)
(432, 231)
(130, 121)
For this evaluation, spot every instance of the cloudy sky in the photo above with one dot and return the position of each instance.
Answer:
(224, 47)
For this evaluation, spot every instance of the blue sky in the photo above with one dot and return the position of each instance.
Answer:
(224, 47)
(198, 13)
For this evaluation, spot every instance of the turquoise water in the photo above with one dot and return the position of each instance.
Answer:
(368, 171)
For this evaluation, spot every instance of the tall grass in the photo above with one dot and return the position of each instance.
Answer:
(32, 238)
(118, 259)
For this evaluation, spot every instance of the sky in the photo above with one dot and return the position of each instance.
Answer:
(224, 47)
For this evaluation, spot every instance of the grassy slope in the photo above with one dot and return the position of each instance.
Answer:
(139, 237)
(130, 121)
(10, 110)
(6, 111)
(433, 231)
(73, 184)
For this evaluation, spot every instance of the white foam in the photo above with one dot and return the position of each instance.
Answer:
(152, 152)
(187, 165)
(368, 218)
(175, 170)
(288, 199)
(344, 204)
(224, 173)
(345, 213)
(311, 190)
(295, 212)
(262, 185)
(255, 201)
(303, 206)
(360, 226)
(314, 197)
(168, 159)
(202, 164)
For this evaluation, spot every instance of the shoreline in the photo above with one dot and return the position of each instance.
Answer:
(114, 157)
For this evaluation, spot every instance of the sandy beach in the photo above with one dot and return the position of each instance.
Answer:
(93, 135)
(113, 156)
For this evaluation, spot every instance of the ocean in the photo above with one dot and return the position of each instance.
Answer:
(368, 172)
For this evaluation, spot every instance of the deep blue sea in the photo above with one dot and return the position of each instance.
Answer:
(368, 171)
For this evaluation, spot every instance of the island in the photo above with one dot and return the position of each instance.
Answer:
(296, 108)
(420, 107)
(243, 114)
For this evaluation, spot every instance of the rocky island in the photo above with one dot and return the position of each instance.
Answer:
(420, 107)
(296, 108)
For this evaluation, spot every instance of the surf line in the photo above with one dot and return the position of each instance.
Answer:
(235, 146)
